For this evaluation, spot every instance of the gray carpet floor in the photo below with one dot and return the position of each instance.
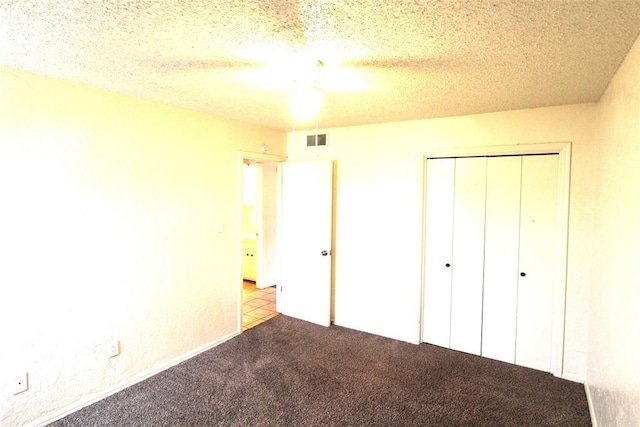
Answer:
(286, 372)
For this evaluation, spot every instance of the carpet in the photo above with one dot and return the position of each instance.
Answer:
(286, 372)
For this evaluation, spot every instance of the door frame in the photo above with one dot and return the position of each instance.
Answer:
(244, 156)
(563, 149)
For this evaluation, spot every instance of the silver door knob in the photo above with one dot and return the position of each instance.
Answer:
(324, 253)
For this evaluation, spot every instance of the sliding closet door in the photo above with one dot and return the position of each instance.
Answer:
(538, 254)
(491, 256)
(438, 247)
(502, 231)
(468, 254)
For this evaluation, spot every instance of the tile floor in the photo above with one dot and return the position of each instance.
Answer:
(258, 305)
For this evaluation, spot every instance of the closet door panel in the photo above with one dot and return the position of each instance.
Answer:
(438, 247)
(468, 254)
(502, 231)
(538, 243)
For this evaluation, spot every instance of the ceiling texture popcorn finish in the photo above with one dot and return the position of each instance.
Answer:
(383, 60)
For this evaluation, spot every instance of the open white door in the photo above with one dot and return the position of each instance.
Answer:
(307, 207)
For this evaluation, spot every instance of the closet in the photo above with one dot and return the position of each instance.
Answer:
(491, 239)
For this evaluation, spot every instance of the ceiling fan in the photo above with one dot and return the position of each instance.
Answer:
(292, 52)
(304, 77)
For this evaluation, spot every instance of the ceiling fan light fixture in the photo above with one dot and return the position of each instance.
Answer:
(305, 103)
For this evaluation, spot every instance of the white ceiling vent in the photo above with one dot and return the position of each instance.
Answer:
(316, 140)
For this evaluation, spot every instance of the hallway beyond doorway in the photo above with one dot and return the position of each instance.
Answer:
(258, 305)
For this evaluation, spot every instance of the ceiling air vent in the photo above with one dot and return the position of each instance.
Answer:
(316, 140)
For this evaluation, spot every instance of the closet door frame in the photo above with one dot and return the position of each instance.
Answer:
(563, 150)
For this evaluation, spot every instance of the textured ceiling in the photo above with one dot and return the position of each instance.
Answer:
(384, 60)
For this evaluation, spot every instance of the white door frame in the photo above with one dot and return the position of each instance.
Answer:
(242, 157)
(563, 149)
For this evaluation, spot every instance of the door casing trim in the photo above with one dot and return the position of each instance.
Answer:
(242, 157)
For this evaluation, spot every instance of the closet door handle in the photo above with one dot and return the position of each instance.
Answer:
(447, 265)
(523, 274)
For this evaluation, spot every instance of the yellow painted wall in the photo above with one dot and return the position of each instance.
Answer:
(379, 212)
(109, 207)
(613, 374)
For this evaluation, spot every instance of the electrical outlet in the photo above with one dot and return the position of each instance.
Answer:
(113, 348)
(20, 383)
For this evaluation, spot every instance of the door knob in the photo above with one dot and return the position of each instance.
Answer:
(523, 274)
(447, 265)
(324, 253)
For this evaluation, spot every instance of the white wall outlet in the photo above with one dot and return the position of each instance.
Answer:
(113, 348)
(20, 383)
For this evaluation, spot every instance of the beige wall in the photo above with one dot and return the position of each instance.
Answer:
(613, 374)
(379, 212)
(109, 212)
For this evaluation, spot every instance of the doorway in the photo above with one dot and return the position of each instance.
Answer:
(283, 254)
(259, 213)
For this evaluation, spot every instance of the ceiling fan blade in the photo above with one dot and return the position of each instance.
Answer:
(200, 64)
(413, 64)
(335, 78)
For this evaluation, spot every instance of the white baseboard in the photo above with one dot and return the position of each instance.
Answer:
(572, 377)
(592, 413)
(128, 383)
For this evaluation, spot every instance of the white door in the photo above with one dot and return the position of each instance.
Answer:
(468, 254)
(307, 210)
(538, 255)
(502, 239)
(438, 251)
(494, 221)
